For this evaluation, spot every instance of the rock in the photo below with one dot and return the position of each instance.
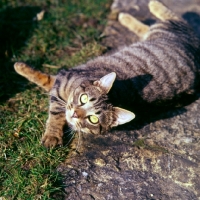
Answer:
(156, 157)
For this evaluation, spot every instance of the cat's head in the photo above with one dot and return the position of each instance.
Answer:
(89, 111)
(86, 106)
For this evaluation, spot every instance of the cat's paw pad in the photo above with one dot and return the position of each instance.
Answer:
(155, 5)
(22, 68)
(125, 18)
(50, 141)
(161, 11)
(19, 66)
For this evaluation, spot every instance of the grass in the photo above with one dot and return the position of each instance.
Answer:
(68, 34)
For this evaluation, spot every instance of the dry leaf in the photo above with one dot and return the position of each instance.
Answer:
(40, 15)
(16, 134)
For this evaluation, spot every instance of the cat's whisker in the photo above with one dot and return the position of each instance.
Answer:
(70, 134)
(78, 127)
(73, 134)
(69, 130)
(78, 124)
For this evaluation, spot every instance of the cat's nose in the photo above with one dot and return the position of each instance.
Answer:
(75, 115)
(78, 113)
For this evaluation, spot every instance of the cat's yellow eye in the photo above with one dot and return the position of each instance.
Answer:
(93, 119)
(84, 98)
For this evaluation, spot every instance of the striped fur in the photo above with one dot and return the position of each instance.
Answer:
(164, 65)
(45, 81)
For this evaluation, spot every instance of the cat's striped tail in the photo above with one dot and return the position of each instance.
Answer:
(43, 80)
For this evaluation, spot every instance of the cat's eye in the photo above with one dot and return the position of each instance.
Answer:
(84, 98)
(93, 119)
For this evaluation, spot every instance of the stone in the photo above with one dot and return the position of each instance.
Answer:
(155, 157)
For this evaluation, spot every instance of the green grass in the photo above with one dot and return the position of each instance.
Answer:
(69, 34)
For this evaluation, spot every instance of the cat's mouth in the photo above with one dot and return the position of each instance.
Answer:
(72, 119)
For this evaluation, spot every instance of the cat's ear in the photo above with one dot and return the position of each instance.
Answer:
(123, 116)
(106, 82)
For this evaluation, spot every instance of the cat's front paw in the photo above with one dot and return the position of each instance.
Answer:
(50, 141)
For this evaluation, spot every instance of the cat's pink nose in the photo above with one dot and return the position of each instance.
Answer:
(75, 115)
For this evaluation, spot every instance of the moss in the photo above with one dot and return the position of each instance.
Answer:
(140, 143)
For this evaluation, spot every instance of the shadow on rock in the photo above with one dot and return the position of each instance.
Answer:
(194, 20)
(146, 114)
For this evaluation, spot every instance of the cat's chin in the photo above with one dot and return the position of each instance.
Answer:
(72, 127)
(70, 121)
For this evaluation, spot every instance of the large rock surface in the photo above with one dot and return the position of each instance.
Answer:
(154, 157)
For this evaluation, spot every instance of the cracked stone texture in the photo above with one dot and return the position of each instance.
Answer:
(154, 157)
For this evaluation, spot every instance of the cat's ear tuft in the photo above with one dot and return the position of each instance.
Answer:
(106, 82)
(122, 116)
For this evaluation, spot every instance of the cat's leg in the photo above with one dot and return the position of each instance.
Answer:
(161, 11)
(133, 24)
(140, 29)
(54, 129)
(43, 80)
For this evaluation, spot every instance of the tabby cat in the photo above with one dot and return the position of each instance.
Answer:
(163, 65)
